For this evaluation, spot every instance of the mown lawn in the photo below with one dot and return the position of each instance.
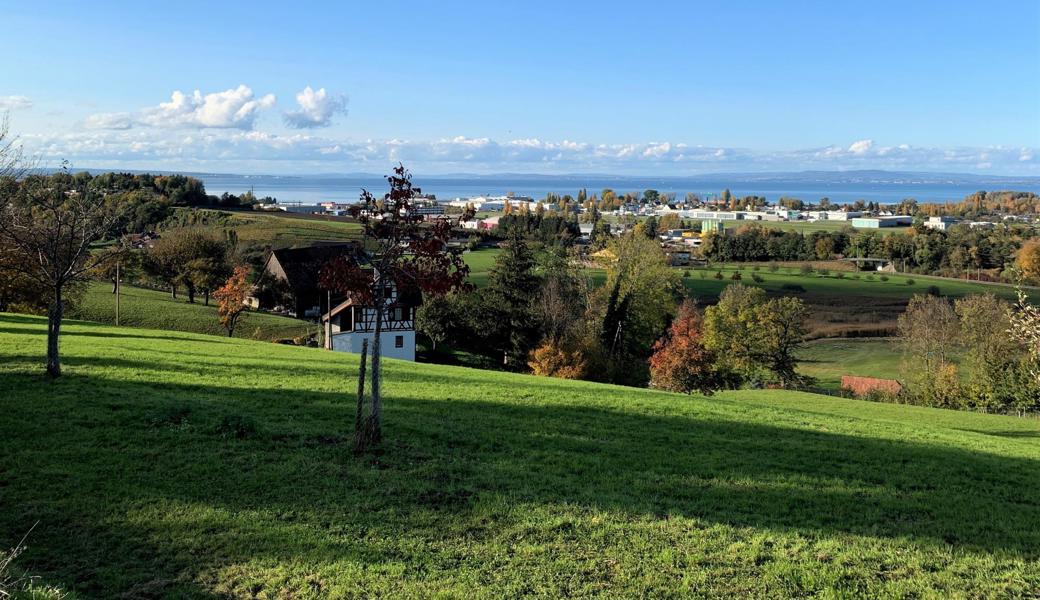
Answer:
(139, 307)
(179, 465)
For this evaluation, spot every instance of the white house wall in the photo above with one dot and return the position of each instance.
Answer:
(352, 341)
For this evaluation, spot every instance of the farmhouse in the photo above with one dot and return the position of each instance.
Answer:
(349, 324)
(299, 269)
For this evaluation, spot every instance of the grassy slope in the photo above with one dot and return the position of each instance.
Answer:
(140, 307)
(490, 484)
(282, 230)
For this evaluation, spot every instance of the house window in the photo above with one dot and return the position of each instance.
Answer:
(398, 314)
(398, 341)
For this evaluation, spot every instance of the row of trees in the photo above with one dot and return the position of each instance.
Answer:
(916, 249)
(974, 353)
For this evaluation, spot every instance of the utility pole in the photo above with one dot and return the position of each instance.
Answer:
(328, 320)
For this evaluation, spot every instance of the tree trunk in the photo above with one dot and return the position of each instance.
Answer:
(115, 284)
(359, 415)
(191, 294)
(173, 290)
(207, 297)
(376, 432)
(54, 315)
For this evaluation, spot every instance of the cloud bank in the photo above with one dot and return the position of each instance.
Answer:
(220, 131)
(252, 151)
(14, 103)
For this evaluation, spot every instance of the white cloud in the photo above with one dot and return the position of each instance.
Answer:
(109, 121)
(14, 103)
(861, 147)
(316, 109)
(231, 109)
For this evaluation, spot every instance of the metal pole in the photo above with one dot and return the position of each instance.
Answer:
(117, 293)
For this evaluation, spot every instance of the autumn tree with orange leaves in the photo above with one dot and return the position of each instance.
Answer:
(680, 362)
(231, 299)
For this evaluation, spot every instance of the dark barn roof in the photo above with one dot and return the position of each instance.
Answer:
(301, 267)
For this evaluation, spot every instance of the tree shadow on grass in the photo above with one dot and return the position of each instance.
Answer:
(118, 490)
(112, 334)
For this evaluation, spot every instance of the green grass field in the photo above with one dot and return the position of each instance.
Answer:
(282, 230)
(180, 465)
(139, 307)
(828, 360)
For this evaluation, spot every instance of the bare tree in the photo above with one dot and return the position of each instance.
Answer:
(12, 163)
(51, 222)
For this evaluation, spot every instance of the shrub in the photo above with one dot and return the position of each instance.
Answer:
(685, 274)
(755, 268)
(839, 275)
(551, 360)
(883, 277)
(909, 281)
(870, 278)
(773, 267)
(793, 288)
(933, 290)
(736, 276)
(757, 278)
(823, 272)
(806, 269)
(718, 275)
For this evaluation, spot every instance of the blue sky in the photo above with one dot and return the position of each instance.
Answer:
(627, 88)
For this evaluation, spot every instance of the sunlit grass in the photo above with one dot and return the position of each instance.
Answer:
(174, 464)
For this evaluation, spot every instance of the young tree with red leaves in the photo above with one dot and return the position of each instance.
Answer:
(400, 250)
(231, 299)
(680, 362)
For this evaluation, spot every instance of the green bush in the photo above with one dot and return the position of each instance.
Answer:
(757, 278)
(773, 267)
(736, 276)
(793, 288)
(883, 277)
(718, 275)
(909, 281)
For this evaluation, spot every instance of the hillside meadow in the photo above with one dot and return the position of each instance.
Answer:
(140, 307)
(170, 464)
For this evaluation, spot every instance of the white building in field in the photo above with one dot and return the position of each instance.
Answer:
(941, 223)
